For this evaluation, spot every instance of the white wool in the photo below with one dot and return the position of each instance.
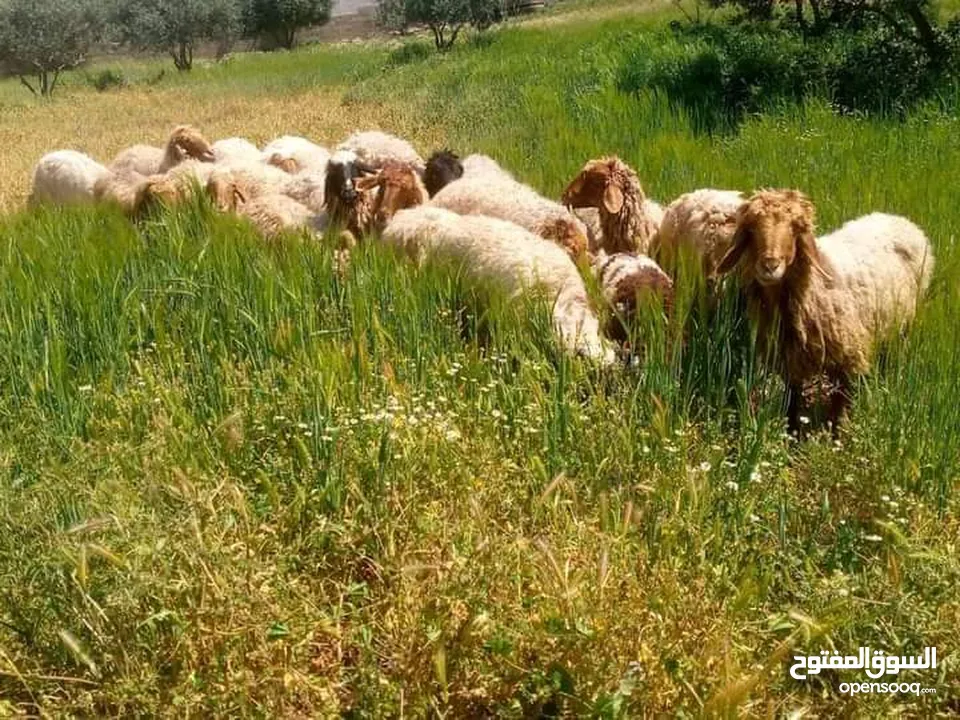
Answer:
(273, 214)
(883, 263)
(477, 164)
(500, 196)
(66, 176)
(308, 156)
(376, 148)
(235, 151)
(702, 221)
(502, 253)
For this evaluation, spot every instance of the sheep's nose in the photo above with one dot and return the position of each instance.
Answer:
(349, 195)
(770, 264)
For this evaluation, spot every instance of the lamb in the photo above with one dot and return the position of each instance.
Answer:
(490, 250)
(296, 154)
(443, 167)
(66, 176)
(185, 142)
(396, 187)
(374, 148)
(501, 197)
(702, 221)
(629, 220)
(626, 281)
(235, 151)
(826, 301)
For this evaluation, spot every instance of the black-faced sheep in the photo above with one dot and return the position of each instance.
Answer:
(185, 143)
(349, 207)
(827, 301)
(493, 251)
(629, 220)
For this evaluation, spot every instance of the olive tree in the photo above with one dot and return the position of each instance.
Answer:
(176, 27)
(39, 39)
(278, 21)
(444, 18)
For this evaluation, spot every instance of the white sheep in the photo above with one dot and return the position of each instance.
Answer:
(375, 148)
(826, 301)
(702, 222)
(235, 151)
(499, 196)
(66, 176)
(185, 143)
(134, 193)
(498, 252)
(274, 214)
(629, 220)
(297, 154)
(478, 164)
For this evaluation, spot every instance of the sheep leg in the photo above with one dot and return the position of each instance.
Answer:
(793, 409)
(840, 399)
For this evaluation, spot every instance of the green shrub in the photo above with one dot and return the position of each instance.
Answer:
(106, 79)
(410, 52)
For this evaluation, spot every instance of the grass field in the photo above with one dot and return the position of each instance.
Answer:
(234, 481)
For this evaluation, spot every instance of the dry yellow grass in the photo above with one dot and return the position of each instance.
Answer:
(101, 124)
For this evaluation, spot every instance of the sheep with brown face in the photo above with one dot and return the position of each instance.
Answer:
(396, 187)
(185, 143)
(628, 219)
(627, 281)
(825, 302)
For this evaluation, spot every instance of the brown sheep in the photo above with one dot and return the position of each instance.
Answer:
(628, 219)
(825, 302)
(396, 187)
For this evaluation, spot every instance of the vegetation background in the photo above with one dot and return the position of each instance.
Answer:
(235, 481)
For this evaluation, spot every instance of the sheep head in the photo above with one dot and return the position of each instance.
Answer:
(186, 142)
(568, 233)
(340, 185)
(774, 238)
(226, 193)
(600, 184)
(443, 168)
(287, 164)
(157, 190)
(398, 186)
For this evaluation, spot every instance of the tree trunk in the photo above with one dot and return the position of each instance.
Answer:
(817, 14)
(801, 21)
(925, 34)
(183, 56)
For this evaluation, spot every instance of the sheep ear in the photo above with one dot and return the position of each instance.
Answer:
(808, 246)
(613, 199)
(732, 257)
(239, 197)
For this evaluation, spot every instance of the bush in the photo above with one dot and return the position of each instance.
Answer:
(276, 22)
(106, 80)
(719, 74)
(409, 53)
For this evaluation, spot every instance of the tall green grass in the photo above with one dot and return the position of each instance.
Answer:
(239, 479)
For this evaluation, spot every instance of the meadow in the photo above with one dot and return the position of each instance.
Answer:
(238, 480)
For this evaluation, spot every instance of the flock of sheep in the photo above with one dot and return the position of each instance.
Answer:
(826, 301)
